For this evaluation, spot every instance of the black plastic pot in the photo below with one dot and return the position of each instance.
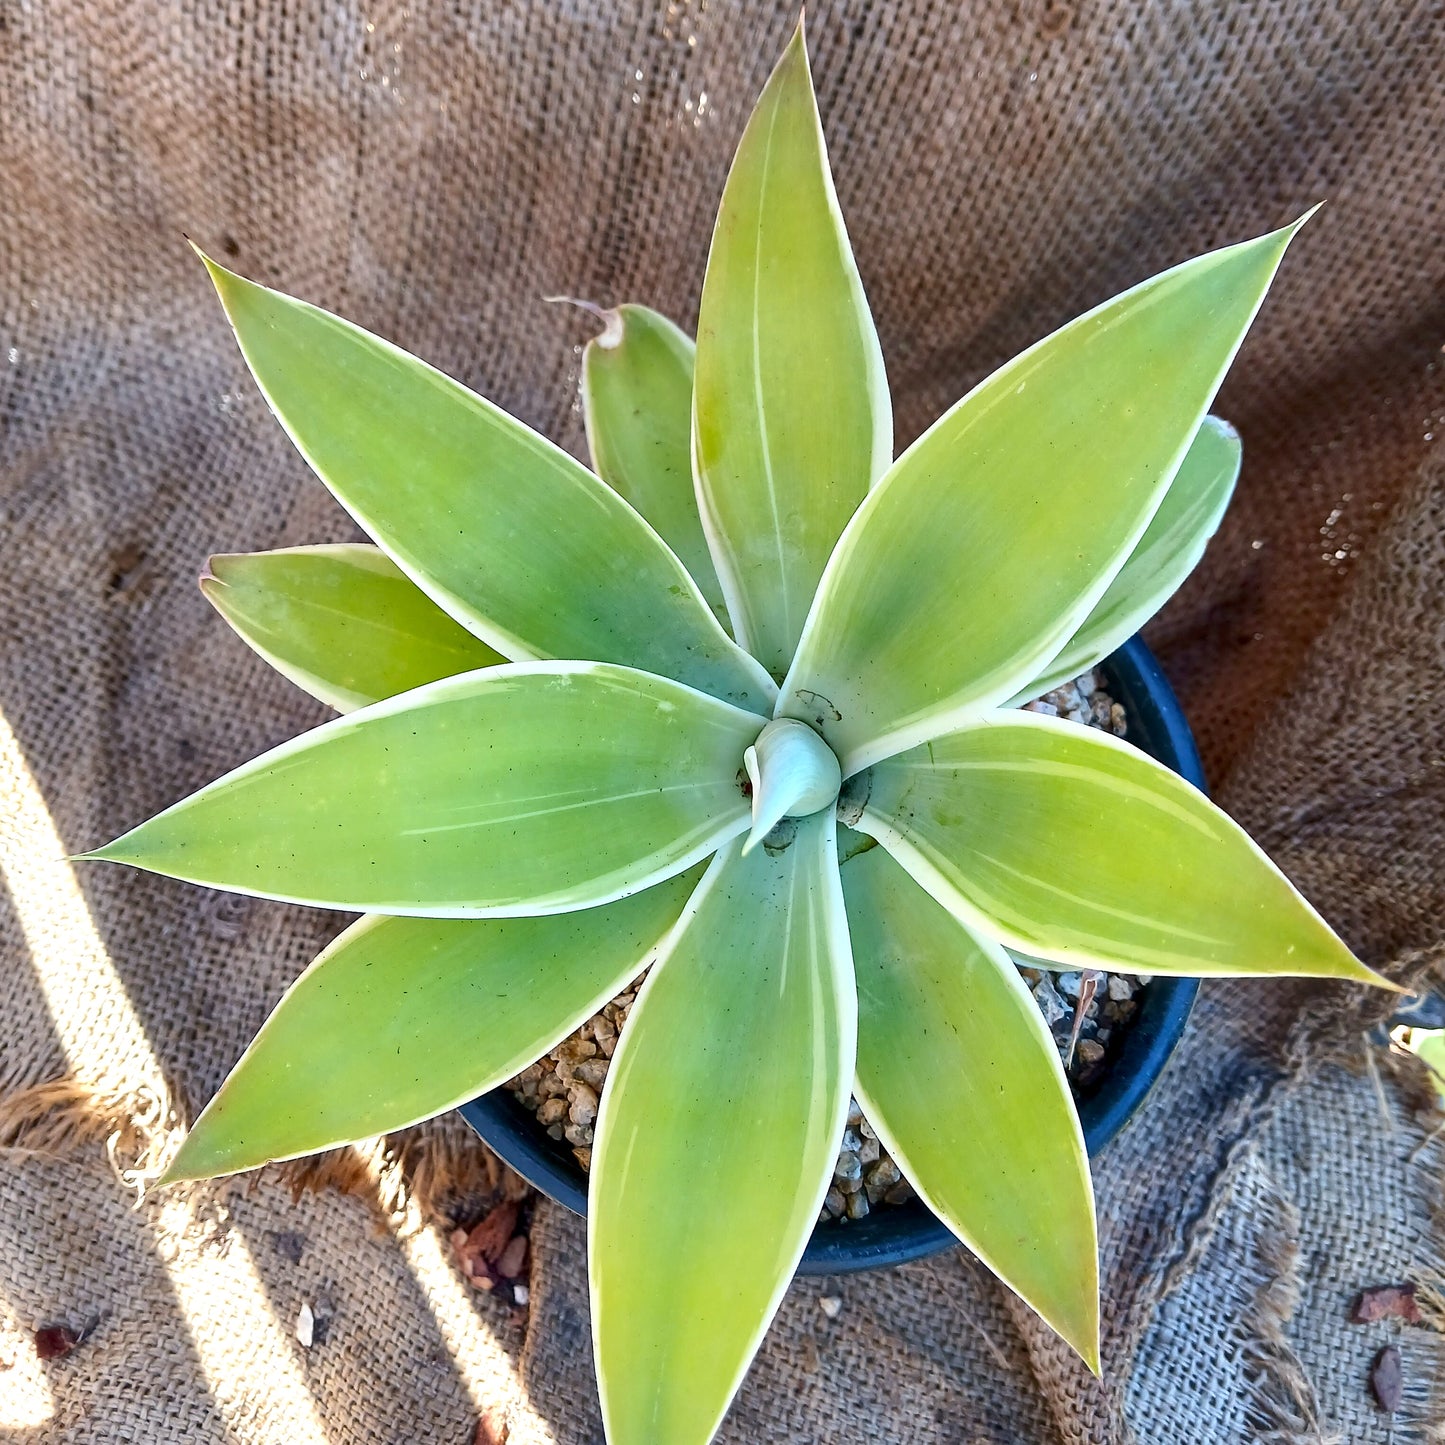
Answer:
(891, 1236)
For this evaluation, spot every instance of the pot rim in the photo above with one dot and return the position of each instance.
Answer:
(910, 1231)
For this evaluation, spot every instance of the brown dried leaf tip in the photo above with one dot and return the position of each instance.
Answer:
(1386, 1302)
(1387, 1382)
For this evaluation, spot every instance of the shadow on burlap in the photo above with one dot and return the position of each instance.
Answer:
(433, 174)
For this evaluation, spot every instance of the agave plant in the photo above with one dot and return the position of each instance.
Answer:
(597, 725)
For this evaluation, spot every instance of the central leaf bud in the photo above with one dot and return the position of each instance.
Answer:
(793, 772)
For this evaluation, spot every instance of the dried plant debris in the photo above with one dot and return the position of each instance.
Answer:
(492, 1427)
(494, 1254)
(1086, 1011)
(1387, 1380)
(1385, 1302)
(54, 1341)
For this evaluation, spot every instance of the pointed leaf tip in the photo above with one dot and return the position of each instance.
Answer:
(341, 621)
(218, 273)
(610, 337)
(909, 651)
(792, 422)
(993, 820)
(482, 513)
(381, 1030)
(948, 1029)
(373, 812)
(637, 405)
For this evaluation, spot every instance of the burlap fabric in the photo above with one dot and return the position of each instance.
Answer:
(434, 171)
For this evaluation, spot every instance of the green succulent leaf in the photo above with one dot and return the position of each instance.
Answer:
(528, 788)
(344, 622)
(637, 402)
(1167, 553)
(990, 540)
(947, 1030)
(717, 1136)
(503, 530)
(792, 419)
(1067, 844)
(402, 1018)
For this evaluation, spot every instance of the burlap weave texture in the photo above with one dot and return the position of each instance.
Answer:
(433, 171)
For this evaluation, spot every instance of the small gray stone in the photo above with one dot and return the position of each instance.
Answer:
(855, 1115)
(1121, 987)
(884, 1174)
(857, 1205)
(1069, 984)
(583, 1108)
(848, 1167)
(869, 1152)
(1053, 1008)
(835, 1203)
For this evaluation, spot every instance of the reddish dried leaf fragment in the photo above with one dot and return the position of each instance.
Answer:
(1384, 1302)
(481, 1250)
(1387, 1380)
(490, 1237)
(492, 1428)
(55, 1341)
